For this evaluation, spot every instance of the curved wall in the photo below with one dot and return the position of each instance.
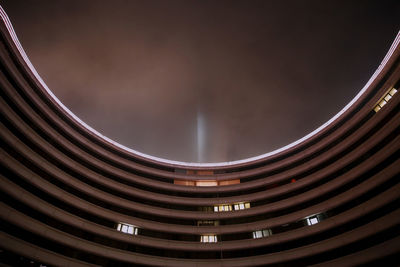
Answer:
(71, 197)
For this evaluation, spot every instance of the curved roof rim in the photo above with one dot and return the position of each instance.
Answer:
(183, 164)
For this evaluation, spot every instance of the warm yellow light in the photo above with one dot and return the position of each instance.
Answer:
(206, 183)
(393, 91)
(211, 238)
(377, 108)
(385, 99)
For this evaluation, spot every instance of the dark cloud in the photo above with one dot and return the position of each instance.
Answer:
(262, 73)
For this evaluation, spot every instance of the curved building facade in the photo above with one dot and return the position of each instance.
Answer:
(71, 197)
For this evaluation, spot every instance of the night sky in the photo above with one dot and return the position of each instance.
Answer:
(205, 81)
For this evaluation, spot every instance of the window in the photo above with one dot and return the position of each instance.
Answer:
(205, 182)
(312, 220)
(127, 228)
(223, 207)
(241, 206)
(207, 223)
(229, 182)
(228, 207)
(206, 209)
(392, 91)
(262, 233)
(208, 238)
(184, 182)
(386, 97)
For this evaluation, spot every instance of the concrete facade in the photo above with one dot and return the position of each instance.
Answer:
(332, 198)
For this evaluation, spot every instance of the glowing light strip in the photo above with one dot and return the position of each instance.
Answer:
(10, 29)
(200, 136)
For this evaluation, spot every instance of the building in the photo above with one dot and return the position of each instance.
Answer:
(71, 197)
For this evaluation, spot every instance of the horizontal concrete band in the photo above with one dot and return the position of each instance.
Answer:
(346, 172)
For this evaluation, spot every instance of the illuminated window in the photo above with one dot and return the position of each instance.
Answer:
(312, 220)
(392, 91)
(241, 206)
(228, 207)
(223, 207)
(385, 99)
(262, 233)
(206, 183)
(377, 108)
(127, 228)
(208, 239)
(382, 103)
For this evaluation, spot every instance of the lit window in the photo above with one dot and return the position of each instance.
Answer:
(312, 220)
(385, 99)
(241, 206)
(262, 233)
(127, 228)
(228, 207)
(208, 239)
(206, 183)
(392, 91)
(267, 232)
(223, 207)
(257, 234)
